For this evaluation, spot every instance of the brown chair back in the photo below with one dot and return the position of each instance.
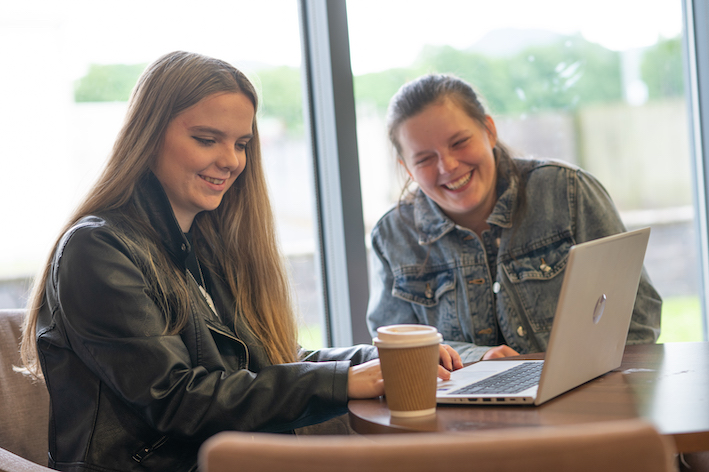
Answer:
(24, 403)
(602, 447)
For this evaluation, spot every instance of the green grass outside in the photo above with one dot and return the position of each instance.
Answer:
(681, 322)
(310, 336)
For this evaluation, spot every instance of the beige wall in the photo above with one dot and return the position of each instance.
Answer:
(641, 154)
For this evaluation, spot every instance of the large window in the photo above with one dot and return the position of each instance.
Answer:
(598, 85)
(69, 67)
(563, 81)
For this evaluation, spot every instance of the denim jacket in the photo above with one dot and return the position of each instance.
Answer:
(502, 287)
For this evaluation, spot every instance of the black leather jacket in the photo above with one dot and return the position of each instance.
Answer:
(126, 397)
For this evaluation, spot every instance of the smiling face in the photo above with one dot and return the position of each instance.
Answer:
(449, 155)
(203, 152)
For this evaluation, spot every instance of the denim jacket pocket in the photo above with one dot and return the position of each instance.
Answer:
(536, 279)
(426, 289)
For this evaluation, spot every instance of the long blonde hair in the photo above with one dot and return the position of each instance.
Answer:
(239, 234)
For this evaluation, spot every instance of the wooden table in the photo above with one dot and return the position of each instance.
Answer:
(666, 384)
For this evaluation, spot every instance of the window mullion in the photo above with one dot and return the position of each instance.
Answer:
(332, 127)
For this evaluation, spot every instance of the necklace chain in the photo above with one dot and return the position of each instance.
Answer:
(203, 289)
(201, 276)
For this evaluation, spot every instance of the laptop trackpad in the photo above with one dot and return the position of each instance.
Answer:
(468, 375)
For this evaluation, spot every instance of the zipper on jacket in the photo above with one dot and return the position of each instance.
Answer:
(145, 451)
(212, 325)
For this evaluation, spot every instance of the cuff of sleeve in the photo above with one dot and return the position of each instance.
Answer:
(339, 387)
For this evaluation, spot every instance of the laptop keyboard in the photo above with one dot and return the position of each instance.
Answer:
(513, 380)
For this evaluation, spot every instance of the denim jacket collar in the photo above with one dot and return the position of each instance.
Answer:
(432, 224)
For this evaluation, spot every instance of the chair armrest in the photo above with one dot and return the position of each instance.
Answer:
(10, 462)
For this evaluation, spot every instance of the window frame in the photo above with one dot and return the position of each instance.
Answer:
(330, 123)
(696, 50)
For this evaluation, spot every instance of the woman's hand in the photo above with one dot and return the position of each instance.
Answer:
(450, 360)
(500, 351)
(365, 380)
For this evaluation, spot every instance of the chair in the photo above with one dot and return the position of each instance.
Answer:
(607, 447)
(24, 405)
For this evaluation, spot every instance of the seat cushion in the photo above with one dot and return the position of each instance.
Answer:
(24, 403)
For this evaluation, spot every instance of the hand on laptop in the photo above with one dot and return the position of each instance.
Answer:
(500, 351)
(365, 380)
(450, 360)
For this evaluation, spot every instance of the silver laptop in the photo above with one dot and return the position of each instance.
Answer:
(587, 337)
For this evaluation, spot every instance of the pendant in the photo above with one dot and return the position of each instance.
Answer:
(209, 300)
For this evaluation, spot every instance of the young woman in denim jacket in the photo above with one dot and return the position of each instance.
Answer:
(479, 249)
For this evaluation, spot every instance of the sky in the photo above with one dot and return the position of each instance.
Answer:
(266, 31)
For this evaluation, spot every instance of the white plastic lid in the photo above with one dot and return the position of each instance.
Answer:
(406, 335)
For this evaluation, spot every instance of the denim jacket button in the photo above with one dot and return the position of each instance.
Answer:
(521, 331)
(496, 287)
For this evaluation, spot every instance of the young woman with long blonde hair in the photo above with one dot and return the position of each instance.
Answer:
(163, 315)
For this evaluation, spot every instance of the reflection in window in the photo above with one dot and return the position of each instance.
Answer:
(562, 83)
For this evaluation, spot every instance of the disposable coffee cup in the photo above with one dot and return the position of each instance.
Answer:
(409, 359)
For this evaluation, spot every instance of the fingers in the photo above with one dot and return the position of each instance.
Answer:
(443, 374)
(493, 353)
(450, 359)
(500, 351)
(508, 351)
(457, 361)
(445, 355)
